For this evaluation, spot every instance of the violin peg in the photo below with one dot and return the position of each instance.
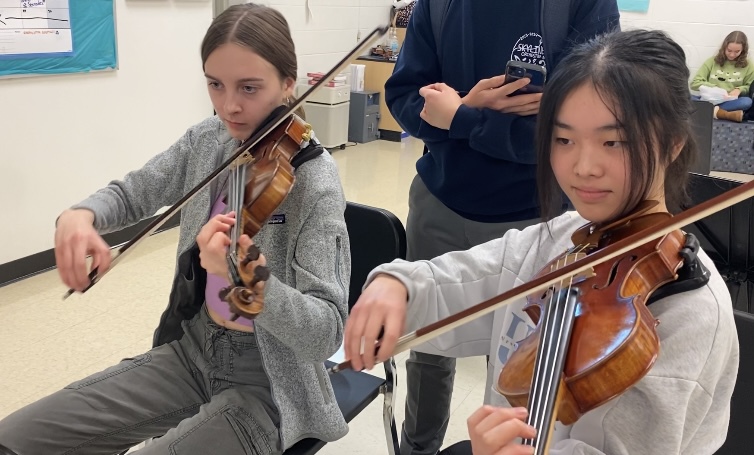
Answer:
(252, 254)
(261, 273)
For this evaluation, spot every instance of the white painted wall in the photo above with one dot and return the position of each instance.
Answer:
(698, 25)
(326, 35)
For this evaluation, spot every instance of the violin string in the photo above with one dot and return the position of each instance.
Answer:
(241, 197)
(235, 199)
(232, 182)
(562, 342)
(536, 395)
(550, 376)
(556, 327)
(240, 184)
(554, 357)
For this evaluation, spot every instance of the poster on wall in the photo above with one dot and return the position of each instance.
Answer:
(56, 36)
(35, 28)
(639, 6)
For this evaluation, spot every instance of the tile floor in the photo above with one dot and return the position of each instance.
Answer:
(47, 343)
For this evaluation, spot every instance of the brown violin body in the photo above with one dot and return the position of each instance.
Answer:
(271, 173)
(613, 342)
(269, 180)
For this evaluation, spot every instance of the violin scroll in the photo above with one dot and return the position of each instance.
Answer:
(243, 297)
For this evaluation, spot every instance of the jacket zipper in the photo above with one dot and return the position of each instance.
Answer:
(337, 268)
(321, 380)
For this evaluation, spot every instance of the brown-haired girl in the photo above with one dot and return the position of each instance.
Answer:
(210, 384)
(729, 70)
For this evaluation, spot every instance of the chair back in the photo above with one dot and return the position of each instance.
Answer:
(377, 237)
(739, 439)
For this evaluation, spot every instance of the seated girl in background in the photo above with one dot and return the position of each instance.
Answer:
(731, 72)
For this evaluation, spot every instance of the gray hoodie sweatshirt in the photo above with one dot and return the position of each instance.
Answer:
(307, 251)
(682, 406)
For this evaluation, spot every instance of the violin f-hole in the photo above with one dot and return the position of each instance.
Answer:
(614, 272)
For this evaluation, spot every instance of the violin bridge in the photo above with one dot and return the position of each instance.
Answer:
(568, 259)
(242, 160)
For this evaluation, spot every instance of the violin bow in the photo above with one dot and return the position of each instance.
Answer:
(691, 215)
(247, 145)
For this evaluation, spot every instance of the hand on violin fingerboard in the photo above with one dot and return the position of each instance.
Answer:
(213, 241)
(493, 431)
(247, 297)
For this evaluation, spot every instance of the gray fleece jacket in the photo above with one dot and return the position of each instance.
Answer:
(682, 405)
(307, 251)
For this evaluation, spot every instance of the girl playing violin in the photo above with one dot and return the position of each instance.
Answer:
(614, 130)
(210, 384)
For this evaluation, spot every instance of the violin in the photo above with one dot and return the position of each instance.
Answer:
(593, 328)
(595, 337)
(259, 182)
(261, 177)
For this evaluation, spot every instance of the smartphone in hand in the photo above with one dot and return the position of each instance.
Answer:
(516, 70)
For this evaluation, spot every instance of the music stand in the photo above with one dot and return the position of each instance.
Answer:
(726, 236)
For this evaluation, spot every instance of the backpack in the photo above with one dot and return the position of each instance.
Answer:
(557, 29)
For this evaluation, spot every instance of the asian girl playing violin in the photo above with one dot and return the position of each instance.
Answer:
(212, 385)
(614, 129)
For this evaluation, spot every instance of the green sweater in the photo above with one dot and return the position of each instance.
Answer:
(710, 74)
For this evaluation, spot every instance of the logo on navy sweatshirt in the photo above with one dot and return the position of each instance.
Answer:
(529, 49)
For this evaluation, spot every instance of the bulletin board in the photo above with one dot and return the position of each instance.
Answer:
(40, 37)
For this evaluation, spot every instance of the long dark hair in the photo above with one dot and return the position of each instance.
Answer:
(736, 37)
(262, 29)
(642, 77)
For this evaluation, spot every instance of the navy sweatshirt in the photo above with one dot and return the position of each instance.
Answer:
(484, 167)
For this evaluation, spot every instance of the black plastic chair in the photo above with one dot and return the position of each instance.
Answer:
(742, 403)
(377, 236)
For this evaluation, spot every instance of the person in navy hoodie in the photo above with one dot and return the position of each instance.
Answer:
(476, 179)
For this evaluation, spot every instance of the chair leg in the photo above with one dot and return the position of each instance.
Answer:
(388, 408)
